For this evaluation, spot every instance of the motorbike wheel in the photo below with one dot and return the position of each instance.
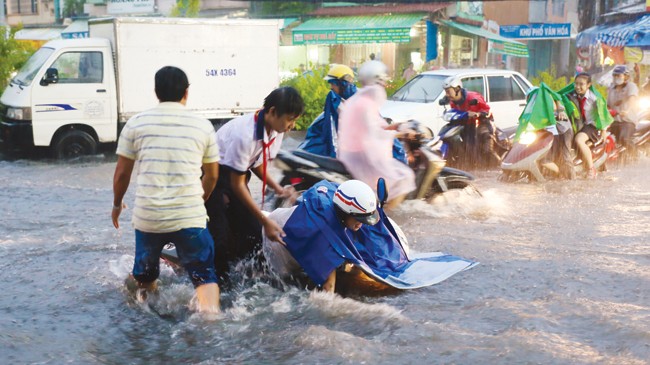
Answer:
(453, 185)
(513, 176)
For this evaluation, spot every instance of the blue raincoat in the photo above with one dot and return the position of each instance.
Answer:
(317, 240)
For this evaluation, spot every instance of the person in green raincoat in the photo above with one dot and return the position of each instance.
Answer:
(588, 110)
(545, 110)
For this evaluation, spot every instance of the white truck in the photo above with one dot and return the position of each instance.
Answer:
(73, 95)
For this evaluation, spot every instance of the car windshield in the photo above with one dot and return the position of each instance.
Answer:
(30, 69)
(421, 89)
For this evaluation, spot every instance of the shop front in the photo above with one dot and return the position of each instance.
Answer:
(464, 46)
(393, 39)
(605, 45)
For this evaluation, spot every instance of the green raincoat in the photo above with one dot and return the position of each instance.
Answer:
(539, 112)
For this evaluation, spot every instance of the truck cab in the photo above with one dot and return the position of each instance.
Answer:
(63, 97)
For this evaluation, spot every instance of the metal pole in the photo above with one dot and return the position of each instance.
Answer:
(3, 20)
(57, 11)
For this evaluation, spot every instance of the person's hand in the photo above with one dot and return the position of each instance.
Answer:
(115, 214)
(473, 114)
(409, 134)
(562, 115)
(287, 191)
(273, 231)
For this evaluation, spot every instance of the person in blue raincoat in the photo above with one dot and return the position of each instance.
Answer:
(322, 133)
(335, 226)
(327, 216)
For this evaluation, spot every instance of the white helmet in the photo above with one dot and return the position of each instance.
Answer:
(356, 199)
(373, 72)
(451, 81)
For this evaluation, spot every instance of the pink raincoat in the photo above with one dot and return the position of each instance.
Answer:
(365, 146)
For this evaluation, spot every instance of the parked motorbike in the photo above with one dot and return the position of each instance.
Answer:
(470, 154)
(302, 169)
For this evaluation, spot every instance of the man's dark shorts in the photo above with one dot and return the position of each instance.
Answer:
(195, 250)
(591, 132)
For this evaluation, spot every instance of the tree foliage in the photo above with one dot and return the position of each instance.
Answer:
(73, 8)
(313, 89)
(283, 8)
(186, 8)
(555, 82)
(13, 54)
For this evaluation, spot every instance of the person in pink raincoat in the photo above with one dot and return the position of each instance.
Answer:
(366, 139)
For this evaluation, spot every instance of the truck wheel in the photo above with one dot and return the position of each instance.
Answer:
(74, 143)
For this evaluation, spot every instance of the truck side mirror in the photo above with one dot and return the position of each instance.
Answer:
(51, 77)
(443, 101)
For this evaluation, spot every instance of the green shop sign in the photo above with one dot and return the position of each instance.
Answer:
(357, 29)
(352, 36)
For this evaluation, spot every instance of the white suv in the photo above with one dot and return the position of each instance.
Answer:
(503, 90)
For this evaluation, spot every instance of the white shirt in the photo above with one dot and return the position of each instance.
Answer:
(239, 147)
(169, 145)
(590, 107)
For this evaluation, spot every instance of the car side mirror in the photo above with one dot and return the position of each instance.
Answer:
(382, 191)
(51, 77)
(443, 101)
(473, 102)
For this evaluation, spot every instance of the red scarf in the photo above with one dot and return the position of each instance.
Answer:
(259, 135)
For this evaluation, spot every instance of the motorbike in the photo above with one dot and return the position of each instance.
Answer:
(302, 169)
(378, 260)
(642, 132)
(469, 154)
(529, 158)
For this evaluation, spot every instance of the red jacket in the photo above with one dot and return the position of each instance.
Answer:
(465, 107)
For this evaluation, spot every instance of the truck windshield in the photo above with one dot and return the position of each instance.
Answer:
(421, 89)
(33, 65)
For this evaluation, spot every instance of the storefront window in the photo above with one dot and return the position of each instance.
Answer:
(461, 52)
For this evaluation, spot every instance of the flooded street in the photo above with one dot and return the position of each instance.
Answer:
(564, 279)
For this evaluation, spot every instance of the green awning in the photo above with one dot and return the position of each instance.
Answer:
(500, 44)
(356, 29)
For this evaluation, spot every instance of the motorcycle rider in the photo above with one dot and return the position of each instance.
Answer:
(366, 139)
(589, 114)
(322, 134)
(314, 248)
(321, 138)
(621, 98)
(461, 99)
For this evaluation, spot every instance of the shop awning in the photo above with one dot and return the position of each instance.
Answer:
(38, 34)
(356, 29)
(617, 35)
(500, 44)
(286, 22)
(77, 29)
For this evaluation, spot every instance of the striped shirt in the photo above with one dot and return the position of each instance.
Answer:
(169, 145)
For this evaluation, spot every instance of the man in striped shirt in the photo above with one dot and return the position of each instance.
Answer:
(170, 146)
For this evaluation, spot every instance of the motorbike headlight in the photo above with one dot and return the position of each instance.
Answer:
(19, 113)
(644, 103)
(527, 137)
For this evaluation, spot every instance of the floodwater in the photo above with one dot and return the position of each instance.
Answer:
(564, 279)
